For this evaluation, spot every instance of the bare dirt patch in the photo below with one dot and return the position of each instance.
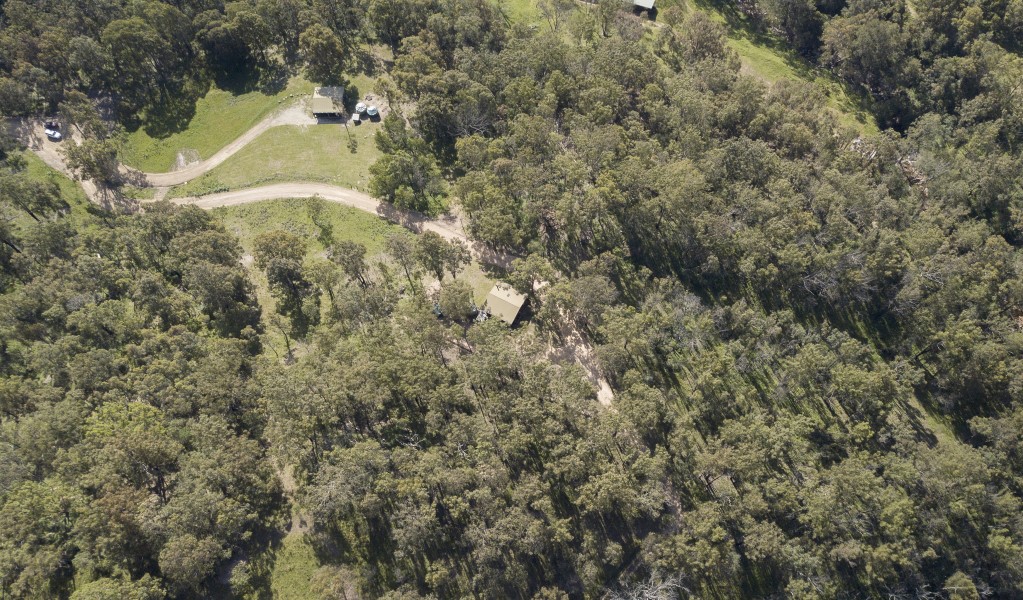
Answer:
(573, 347)
(185, 158)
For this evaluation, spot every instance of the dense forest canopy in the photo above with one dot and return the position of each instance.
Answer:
(814, 336)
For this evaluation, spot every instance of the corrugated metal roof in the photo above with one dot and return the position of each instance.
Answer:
(324, 106)
(505, 303)
(328, 100)
(330, 91)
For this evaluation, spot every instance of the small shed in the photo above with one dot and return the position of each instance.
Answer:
(328, 101)
(505, 303)
(643, 4)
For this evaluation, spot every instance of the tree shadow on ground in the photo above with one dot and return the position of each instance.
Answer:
(409, 219)
(352, 96)
(175, 110)
(365, 62)
(237, 80)
(273, 78)
(493, 262)
(112, 200)
(259, 554)
(741, 25)
(22, 130)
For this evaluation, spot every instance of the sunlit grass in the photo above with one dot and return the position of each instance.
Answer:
(521, 11)
(766, 57)
(70, 191)
(317, 153)
(294, 566)
(220, 117)
(248, 221)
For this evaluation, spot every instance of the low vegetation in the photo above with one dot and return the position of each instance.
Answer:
(294, 570)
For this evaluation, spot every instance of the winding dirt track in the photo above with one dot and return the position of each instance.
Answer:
(449, 227)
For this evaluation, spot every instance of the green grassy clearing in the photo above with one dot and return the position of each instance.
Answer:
(521, 11)
(70, 191)
(361, 85)
(219, 117)
(294, 565)
(248, 221)
(317, 153)
(479, 280)
(283, 570)
(768, 58)
(773, 64)
(762, 55)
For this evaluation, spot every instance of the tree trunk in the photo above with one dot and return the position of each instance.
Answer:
(11, 245)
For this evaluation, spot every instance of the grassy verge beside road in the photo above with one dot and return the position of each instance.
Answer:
(247, 221)
(766, 57)
(70, 191)
(316, 153)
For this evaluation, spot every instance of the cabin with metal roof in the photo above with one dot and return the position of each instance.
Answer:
(328, 101)
(505, 303)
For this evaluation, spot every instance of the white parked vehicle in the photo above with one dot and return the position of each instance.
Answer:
(372, 111)
(360, 108)
(53, 134)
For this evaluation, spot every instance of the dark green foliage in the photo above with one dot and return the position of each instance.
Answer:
(813, 337)
(785, 311)
(407, 174)
(324, 55)
(129, 418)
(279, 254)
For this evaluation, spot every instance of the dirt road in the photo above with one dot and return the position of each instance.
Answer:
(449, 227)
(30, 132)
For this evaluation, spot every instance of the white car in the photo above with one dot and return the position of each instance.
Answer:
(372, 111)
(360, 108)
(53, 134)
